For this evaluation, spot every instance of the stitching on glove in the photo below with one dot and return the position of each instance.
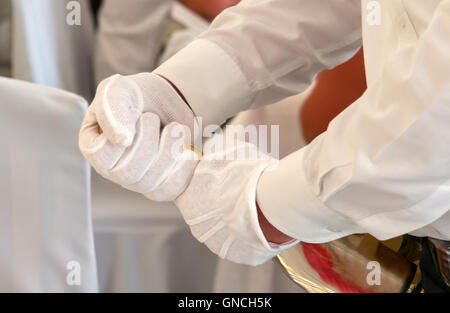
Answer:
(226, 246)
(128, 158)
(211, 232)
(179, 163)
(203, 218)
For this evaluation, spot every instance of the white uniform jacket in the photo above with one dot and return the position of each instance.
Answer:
(383, 165)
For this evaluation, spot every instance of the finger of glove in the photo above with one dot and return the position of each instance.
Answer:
(177, 182)
(171, 147)
(118, 105)
(139, 156)
(162, 99)
(95, 147)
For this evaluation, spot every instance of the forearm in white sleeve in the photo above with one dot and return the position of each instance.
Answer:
(130, 36)
(383, 165)
(259, 52)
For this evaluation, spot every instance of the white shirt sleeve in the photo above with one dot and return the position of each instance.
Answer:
(259, 52)
(130, 36)
(383, 165)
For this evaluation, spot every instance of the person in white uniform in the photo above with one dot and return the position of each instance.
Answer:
(381, 167)
(137, 38)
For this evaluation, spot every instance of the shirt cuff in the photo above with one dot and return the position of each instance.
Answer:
(210, 80)
(289, 204)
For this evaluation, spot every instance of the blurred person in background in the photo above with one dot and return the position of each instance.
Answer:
(131, 38)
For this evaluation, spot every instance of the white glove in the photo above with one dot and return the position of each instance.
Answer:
(219, 205)
(133, 151)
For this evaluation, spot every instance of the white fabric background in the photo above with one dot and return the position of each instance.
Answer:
(45, 218)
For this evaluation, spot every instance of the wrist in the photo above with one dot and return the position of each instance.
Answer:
(176, 89)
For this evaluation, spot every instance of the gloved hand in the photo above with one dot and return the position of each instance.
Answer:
(133, 150)
(219, 204)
